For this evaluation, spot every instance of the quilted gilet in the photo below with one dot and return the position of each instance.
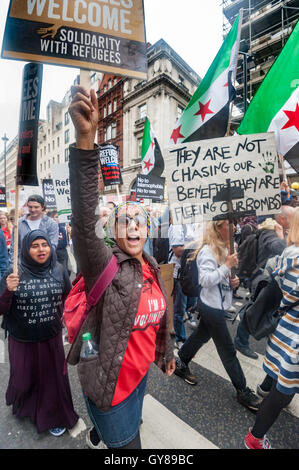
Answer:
(110, 321)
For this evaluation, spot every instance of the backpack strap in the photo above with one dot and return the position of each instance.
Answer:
(102, 283)
(93, 297)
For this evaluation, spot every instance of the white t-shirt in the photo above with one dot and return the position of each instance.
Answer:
(34, 224)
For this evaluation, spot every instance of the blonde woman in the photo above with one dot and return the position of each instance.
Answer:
(281, 362)
(216, 285)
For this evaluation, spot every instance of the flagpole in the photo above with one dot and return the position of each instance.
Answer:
(284, 174)
(235, 72)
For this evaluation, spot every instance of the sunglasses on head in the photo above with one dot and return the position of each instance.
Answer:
(126, 220)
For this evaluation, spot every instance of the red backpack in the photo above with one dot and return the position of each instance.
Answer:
(77, 306)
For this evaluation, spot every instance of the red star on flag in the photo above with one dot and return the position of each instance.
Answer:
(176, 134)
(148, 164)
(152, 143)
(204, 110)
(293, 118)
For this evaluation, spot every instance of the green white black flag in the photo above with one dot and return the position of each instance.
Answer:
(151, 156)
(207, 113)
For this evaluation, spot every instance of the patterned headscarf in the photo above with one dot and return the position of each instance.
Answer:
(110, 226)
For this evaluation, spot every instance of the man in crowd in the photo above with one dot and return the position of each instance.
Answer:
(35, 219)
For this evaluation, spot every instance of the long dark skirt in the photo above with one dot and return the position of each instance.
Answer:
(37, 388)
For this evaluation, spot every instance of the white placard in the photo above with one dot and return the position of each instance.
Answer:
(197, 171)
(61, 183)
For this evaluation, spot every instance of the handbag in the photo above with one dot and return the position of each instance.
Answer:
(262, 313)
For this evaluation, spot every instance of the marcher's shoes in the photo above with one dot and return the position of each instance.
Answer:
(262, 393)
(252, 442)
(92, 439)
(248, 398)
(183, 371)
(57, 431)
(237, 296)
(246, 351)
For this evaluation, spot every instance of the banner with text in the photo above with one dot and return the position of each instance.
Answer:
(61, 183)
(108, 156)
(28, 125)
(49, 194)
(150, 186)
(108, 36)
(197, 171)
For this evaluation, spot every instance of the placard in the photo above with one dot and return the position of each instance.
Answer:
(28, 125)
(150, 187)
(2, 196)
(61, 183)
(109, 161)
(196, 172)
(103, 35)
(49, 194)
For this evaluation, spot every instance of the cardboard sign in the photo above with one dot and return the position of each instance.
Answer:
(109, 162)
(28, 125)
(61, 183)
(49, 194)
(103, 35)
(197, 171)
(150, 187)
(2, 196)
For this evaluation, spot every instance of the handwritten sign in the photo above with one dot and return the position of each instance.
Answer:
(105, 35)
(197, 171)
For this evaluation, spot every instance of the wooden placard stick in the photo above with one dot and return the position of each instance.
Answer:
(16, 232)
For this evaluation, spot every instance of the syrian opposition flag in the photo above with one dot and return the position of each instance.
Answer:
(206, 115)
(151, 156)
(275, 106)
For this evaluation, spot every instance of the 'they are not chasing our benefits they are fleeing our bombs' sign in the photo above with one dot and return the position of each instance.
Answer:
(103, 35)
(197, 171)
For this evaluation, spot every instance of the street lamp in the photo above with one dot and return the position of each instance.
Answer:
(5, 139)
(248, 64)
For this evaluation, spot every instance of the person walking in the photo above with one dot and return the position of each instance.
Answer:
(281, 360)
(32, 305)
(216, 285)
(130, 323)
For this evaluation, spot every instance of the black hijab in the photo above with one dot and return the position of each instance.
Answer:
(28, 264)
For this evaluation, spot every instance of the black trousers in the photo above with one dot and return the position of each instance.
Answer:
(213, 325)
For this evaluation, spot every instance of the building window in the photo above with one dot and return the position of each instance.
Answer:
(49, 163)
(49, 148)
(114, 105)
(53, 144)
(67, 136)
(66, 155)
(181, 80)
(41, 167)
(58, 141)
(66, 118)
(105, 111)
(115, 81)
(109, 108)
(93, 78)
(53, 160)
(109, 84)
(105, 88)
(142, 111)
(110, 131)
(180, 111)
(139, 147)
(41, 153)
(58, 159)
(45, 150)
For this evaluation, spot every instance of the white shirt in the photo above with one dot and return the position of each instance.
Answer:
(210, 276)
(34, 224)
(179, 236)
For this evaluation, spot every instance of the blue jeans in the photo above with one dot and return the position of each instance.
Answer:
(242, 336)
(180, 304)
(120, 425)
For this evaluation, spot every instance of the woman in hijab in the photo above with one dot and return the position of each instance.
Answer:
(32, 305)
